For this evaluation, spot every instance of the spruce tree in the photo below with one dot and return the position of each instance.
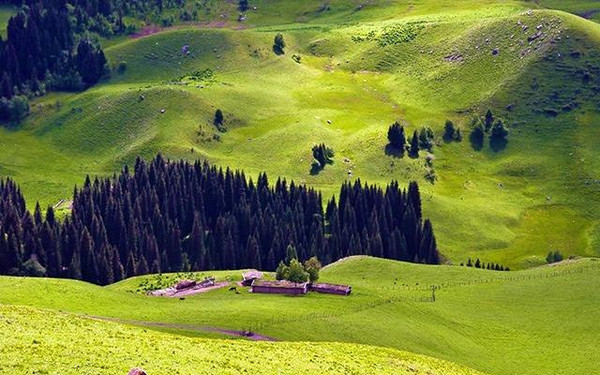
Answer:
(414, 145)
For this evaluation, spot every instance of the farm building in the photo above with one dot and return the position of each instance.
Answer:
(250, 276)
(279, 287)
(343, 290)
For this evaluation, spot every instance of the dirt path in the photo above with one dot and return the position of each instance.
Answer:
(187, 327)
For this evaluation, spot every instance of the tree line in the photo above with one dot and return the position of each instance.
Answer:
(50, 45)
(181, 216)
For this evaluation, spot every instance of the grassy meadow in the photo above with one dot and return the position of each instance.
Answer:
(97, 347)
(360, 70)
(536, 321)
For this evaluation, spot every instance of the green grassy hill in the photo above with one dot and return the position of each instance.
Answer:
(100, 347)
(537, 321)
(361, 69)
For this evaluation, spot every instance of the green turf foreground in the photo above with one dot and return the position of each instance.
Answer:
(37, 341)
(533, 322)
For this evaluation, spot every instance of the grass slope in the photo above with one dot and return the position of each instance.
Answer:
(361, 69)
(536, 321)
(97, 347)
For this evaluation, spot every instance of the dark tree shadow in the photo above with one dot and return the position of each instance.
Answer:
(498, 144)
(448, 138)
(394, 151)
(278, 51)
(476, 141)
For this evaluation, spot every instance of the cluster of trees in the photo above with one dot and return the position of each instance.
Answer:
(322, 155)
(177, 216)
(45, 50)
(451, 132)
(488, 266)
(48, 46)
(292, 270)
(422, 139)
(489, 124)
(554, 257)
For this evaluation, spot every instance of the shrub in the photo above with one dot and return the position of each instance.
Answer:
(122, 67)
(282, 271)
(296, 272)
(554, 256)
(33, 268)
(312, 267)
(279, 44)
(426, 138)
(18, 108)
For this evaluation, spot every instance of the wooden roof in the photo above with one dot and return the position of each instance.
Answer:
(338, 287)
(279, 284)
(252, 274)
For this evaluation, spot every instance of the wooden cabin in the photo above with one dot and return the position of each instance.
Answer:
(250, 276)
(343, 290)
(279, 287)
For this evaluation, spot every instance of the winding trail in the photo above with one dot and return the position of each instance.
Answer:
(186, 327)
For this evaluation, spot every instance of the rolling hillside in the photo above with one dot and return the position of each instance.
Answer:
(537, 321)
(108, 348)
(361, 69)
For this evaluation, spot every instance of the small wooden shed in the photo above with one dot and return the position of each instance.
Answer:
(279, 287)
(343, 290)
(250, 276)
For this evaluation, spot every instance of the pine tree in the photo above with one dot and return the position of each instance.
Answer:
(279, 44)
(290, 253)
(414, 145)
(131, 269)
(396, 136)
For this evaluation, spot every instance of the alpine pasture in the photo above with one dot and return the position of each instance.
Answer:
(349, 69)
(359, 72)
(537, 321)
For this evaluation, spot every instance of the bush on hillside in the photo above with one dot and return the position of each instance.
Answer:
(554, 257)
(292, 270)
(323, 155)
(312, 267)
(279, 44)
(426, 138)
